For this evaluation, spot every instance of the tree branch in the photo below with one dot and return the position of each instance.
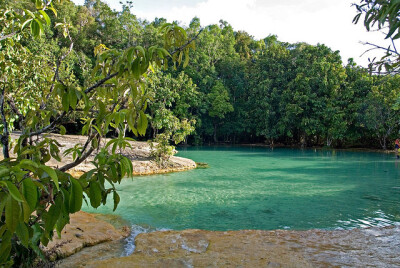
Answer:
(8, 35)
(48, 127)
(6, 134)
(108, 77)
(14, 108)
(100, 82)
(83, 157)
(187, 43)
(394, 46)
(77, 161)
(380, 47)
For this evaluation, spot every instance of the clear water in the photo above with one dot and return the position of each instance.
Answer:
(261, 188)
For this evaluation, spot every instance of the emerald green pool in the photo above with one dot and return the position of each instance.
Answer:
(263, 188)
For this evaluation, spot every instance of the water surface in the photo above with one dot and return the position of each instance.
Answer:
(263, 188)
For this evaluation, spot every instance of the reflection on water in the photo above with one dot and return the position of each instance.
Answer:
(380, 220)
(260, 188)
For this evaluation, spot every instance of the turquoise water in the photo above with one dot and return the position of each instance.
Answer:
(263, 188)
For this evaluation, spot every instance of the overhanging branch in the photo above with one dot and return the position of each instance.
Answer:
(187, 43)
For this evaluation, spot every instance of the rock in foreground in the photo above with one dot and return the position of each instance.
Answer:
(197, 248)
(371, 247)
(84, 230)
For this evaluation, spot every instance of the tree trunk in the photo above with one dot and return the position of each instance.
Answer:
(383, 142)
(4, 142)
(215, 133)
(328, 142)
(303, 140)
(5, 137)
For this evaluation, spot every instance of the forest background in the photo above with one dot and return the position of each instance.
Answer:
(236, 89)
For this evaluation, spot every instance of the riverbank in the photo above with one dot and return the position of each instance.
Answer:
(277, 146)
(139, 154)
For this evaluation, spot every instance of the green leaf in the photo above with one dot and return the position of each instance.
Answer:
(27, 151)
(62, 130)
(142, 123)
(23, 234)
(35, 28)
(62, 220)
(14, 191)
(45, 16)
(13, 212)
(39, 4)
(40, 26)
(116, 200)
(65, 101)
(52, 215)
(95, 194)
(29, 190)
(26, 211)
(30, 13)
(72, 98)
(28, 164)
(3, 198)
(4, 172)
(25, 24)
(52, 174)
(37, 233)
(76, 196)
(95, 143)
(66, 196)
(52, 9)
(5, 246)
(3, 228)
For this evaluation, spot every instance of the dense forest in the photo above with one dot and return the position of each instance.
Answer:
(235, 89)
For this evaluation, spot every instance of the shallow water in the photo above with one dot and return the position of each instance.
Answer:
(261, 188)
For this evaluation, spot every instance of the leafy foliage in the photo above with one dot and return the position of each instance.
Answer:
(170, 116)
(383, 16)
(39, 93)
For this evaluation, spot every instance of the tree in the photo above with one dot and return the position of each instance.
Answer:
(380, 109)
(382, 15)
(171, 118)
(269, 76)
(219, 105)
(36, 198)
(214, 46)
